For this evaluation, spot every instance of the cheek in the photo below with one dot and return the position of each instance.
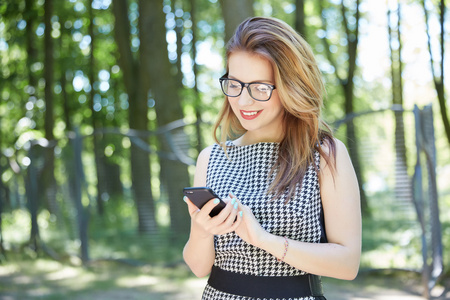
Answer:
(276, 105)
(232, 105)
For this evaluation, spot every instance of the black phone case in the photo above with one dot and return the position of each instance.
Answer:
(200, 195)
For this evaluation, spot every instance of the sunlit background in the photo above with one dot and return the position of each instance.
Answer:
(92, 165)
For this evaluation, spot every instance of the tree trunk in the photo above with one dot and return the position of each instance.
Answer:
(352, 142)
(352, 35)
(65, 61)
(438, 77)
(403, 188)
(82, 211)
(65, 97)
(32, 191)
(348, 86)
(140, 161)
(300, 17)
(156, 69)
(48, 173)
(30, 17)
(234, 12)
(179, 32)
(31, 186)
(197, 97)
(48, 70)
(97, 137)
(2, 248)
(3, 197)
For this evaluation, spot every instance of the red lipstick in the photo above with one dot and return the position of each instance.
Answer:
(250, 114)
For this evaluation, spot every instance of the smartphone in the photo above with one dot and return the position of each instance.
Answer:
(200, 195)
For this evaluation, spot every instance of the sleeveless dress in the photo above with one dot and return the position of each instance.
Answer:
(245, 173)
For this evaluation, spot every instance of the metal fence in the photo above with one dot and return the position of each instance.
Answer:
(398, 169)
(398, 173)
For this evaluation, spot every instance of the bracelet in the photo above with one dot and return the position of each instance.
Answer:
(286, 245)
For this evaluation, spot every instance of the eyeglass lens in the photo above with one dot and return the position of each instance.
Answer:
(258, 91)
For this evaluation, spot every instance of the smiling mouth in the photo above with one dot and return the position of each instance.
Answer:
(249, 115)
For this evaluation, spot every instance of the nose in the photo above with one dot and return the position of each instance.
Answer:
(245, 99)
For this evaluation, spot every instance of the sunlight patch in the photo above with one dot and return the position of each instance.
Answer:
(65, 273)
(143, 280)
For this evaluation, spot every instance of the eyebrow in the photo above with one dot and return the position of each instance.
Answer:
(254, 81)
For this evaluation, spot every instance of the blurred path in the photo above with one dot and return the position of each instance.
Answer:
(365, 287)
(46, 279)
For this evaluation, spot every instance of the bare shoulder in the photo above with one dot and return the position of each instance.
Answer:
(203, 156)
(337, 171)
(202, 166)
(329, 144)
(336, 151)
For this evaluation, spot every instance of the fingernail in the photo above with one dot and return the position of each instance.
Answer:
(185, 199)
(235, 206)
(216, 201)
(232, 194)
(233, 200)
(241, 213)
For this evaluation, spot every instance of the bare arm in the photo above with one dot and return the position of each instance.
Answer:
(199, 252)
(339, 257)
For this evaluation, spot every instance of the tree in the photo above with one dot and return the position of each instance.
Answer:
(97, 137)
(140, 161)
(438, 74)
(49, 124)
(234, 12)
(30, 17)
(156, 70)
(300, 17)
(197, 96)
(403, 186)
(345, 76)
(64, 66)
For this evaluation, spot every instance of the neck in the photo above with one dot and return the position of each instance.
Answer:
(250, 138)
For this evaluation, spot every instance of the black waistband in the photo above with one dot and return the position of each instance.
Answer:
(266, 286)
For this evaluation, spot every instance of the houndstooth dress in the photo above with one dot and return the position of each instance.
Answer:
(245, 173)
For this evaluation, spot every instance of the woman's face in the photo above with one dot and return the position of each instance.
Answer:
(262, 120)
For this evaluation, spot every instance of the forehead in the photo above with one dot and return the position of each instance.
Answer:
(249, 67)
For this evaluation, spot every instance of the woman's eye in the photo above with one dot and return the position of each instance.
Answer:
(262, 88)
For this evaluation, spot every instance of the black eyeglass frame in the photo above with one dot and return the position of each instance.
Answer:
(246, 85)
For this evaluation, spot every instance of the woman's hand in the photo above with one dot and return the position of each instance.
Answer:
(249, 229)
(226, 221)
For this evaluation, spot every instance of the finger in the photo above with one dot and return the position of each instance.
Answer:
(227, 217)
(226, 200)
(233, 215)
(232, 223)
(232, 195)
(238, 221)
(222, 216)
(230, 218)
(208, 207)
(192, 208)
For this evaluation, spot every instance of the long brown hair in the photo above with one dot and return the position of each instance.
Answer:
(300, 87)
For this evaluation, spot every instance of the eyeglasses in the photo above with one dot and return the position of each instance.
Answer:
(257, 90)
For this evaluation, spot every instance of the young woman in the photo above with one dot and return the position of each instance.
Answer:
(293, 206)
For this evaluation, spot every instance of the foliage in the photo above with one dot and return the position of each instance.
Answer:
(113, 234)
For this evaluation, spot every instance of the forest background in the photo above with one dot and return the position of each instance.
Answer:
(104, 106)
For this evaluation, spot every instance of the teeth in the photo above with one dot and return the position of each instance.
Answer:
(249, 113)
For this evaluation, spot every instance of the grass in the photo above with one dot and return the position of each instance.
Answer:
(132, 266)
(42, 278)
(48, 279)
